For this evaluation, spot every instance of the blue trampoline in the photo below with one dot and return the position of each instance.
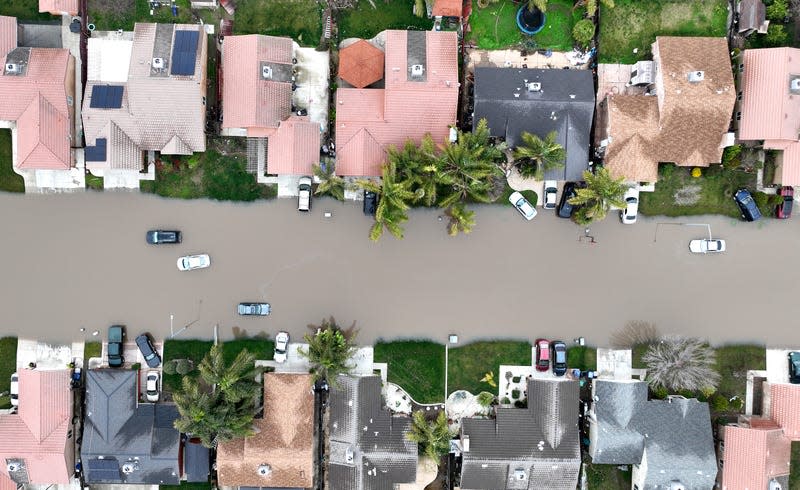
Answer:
(530, 23)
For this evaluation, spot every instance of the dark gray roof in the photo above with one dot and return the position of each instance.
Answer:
(564, 104)
(361, 427)
(196, 461)
(119, 431)
(526, 448)
(674, 435)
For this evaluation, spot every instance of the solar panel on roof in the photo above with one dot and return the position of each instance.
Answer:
(103, 470)
(184, 52)
(106, 97)
(96, 153)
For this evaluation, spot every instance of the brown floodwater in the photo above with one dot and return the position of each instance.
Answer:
(73, 261)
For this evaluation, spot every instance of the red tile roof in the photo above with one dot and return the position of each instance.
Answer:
(37, 101)
(248, 100)
(59, 7)
(368, 121)
(8, 35)
(784, 407)
(294, 147)
(361, 64)
(447, 8)
(753, 456)
(6, 483)
(38, 434)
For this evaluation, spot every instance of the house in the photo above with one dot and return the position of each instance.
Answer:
(752, 17)
(281, 452)
(447, 8)
(537, 101)
(525, 448)
(37, 86)
(59, 7)
(37, 444)
(770, 106)
(419, 97)
(667, 441)
(125, 441)
(368, 445)
(683, 119)
(145, 94)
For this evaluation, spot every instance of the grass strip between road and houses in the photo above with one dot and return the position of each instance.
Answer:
(417, 366)
(582, 357)
(90, 350)
(8, 365)
(10, 181)
(794, 468)
(468, 364)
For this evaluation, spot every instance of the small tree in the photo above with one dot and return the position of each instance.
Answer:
(536, 155)
(329, 350)
(601, 192)
(583, 32)
(488, 378)
(330, 183)
(433, 437)
(778, 10)
(635, 332)
(776, 35)
(183, 366)
(681, 363)
(461, 219)
(485, 398)
(170, 367)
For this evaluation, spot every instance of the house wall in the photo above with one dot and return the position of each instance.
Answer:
(69, 89)
(639, 473)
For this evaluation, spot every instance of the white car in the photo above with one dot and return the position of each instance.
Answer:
(14, 390)
(707, 245)
(191, 262)
(151, 386)
(550, 193)
(522, 205)
(304, 194)
(631, 210)
(281, 344)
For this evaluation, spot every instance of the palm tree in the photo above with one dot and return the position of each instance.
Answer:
(329, 350)
(433, 437)
(421, 166)
(536, 155)
(601, 192)
(395, 196)
(235, 382)
(330, 183)
(461, 219)
(470, 164)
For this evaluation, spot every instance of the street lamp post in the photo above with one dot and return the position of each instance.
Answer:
(171, 333)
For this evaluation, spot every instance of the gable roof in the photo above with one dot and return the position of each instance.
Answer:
(368, 446)
(284, 440)
(674, 435)
(361, 64)
(8, 35)
(753, 456)
(119, 430)
(249, 100)
(564, 103)
(409, 107)
(58, 7)
(541, 441)
(784, 407)
(36, 436)
(752, 15)
(294, 147)
(36, 98)
(160, 110)
(447, 8)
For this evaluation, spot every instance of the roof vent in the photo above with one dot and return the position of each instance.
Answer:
(12, 68)
(13, 467)
(158, 63)
(695, 76)
(534, 86)
(676, 485)
(128, 468)
(417, 70)
(349, 456)
(520, 475)
(264, 469)
(266, 72)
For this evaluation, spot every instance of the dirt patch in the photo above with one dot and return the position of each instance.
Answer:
(688, 195)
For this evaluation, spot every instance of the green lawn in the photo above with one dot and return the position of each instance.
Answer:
(733, 362)
(365, 22)
(109, 15)
(794, 470)
(8, 365)
(715, 195)
(187, 486)
(607, 477)
(582, 357)
(635, 24)
(495, 27)
(23, 10)
(211, 175)
(92, 349)
(469, 364)
(196, 349)
(299, 19)
(531, 196)
(10, 181)
(416, 365)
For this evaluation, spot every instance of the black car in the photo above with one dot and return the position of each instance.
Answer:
(747, 205)
(784, 209)
(370, 203)
(565, 209)
(794, 367)
(148, 351)
(157, 237)
(559, 357)
(115, 335)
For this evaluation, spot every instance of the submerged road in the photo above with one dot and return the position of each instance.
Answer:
(73, 261)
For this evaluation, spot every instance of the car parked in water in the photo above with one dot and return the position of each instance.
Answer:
(559, 356)
(565, 208)
(370, 203)
(254, 309)
(629, 214)
(151, 386)
(542, 354)
(281, 345)
(148, 351)
(707, 245)
(523, 206)
(304, 194)
(784, 209)
(14, 390)
(794, 367)
(550, 194)
(747, 205)
(159, 237)
(192, 262)
(114, 347)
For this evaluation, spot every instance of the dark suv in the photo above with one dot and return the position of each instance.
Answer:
(115, 335)
(565, 209)
(370, 203)
(148, 351)
(747, 205)
(794, 367)
(157, 237)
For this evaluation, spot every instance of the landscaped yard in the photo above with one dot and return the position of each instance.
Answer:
(582, 357)
(187, 486)
(794, 470)
(10, 181)
(8, 364)
(196, 349)
(470, 363)
(416, 365)
(634, 24)
(607, 477)
(90, 350)
(299, 19)
(495, 27)
(108, 15)
(24, 10)
(365, 22)
(678, 194)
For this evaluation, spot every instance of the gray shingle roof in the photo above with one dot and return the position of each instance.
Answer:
(118, 431)
(674, 436)
(528, 448)
(362, 428)
(564, 104)
(196, 462)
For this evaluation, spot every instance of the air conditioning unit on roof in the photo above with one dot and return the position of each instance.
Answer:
(695, 76)
(417, 70)
(795, 84)
(266, 72)
(12, 68)
(12, 467)
(128, 468)
(158, 63)
(534, 86)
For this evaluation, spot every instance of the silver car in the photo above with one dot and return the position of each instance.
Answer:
(191, 262)
(523, 206)
(254, 309)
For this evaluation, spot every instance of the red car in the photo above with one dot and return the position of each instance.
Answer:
(542, 354)
(785, 207)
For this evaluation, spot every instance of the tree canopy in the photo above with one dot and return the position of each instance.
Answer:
(329, 350)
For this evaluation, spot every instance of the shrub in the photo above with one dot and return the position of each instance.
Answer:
(136, 366)
(515, 394)
(778, 10)
(719, 403)
(583, 32)
(776, 35)
(736, 403)
(169, 367)
(485, 398)
(732, 157)
(505, 401)
(681, 363)
(516, 379)
(660, 392)
(183, 366)
(520, 404)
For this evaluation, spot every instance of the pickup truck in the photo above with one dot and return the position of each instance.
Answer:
(115, 335)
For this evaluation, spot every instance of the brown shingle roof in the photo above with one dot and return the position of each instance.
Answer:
(361, 64)
(284, 441)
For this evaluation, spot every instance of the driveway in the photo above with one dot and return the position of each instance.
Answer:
(85, 255)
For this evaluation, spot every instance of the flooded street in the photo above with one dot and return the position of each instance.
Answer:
(73, 261)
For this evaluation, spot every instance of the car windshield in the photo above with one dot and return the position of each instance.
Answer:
(561, 357)
(520, 202)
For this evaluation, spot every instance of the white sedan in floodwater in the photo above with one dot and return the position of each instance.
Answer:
(191, 262)
(707, 245)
